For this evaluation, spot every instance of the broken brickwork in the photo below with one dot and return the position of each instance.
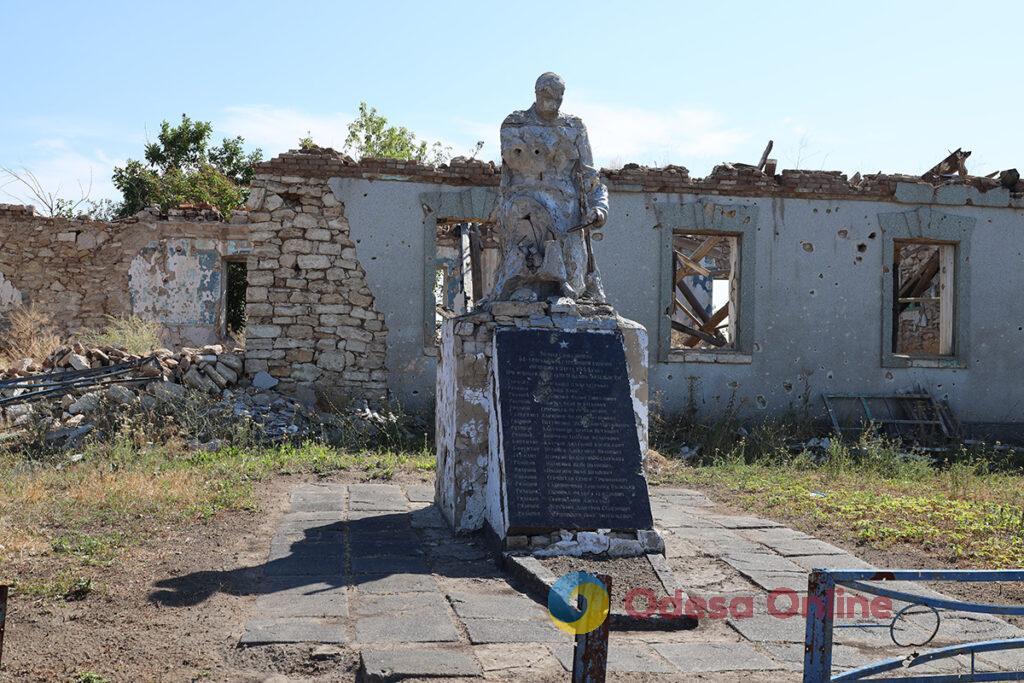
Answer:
(311, 317)
(162, 268)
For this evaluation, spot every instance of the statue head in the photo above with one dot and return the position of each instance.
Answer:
(549, 90)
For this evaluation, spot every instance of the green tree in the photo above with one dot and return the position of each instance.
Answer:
(182, 167)
(371, 136)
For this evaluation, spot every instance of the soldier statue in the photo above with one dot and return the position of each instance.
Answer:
(551, 198)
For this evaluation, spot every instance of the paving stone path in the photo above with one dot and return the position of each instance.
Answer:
(374, 567)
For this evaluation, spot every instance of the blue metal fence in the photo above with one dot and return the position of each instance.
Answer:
(821, 610)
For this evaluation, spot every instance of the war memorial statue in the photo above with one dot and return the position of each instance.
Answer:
(551, 197)
(542, 390)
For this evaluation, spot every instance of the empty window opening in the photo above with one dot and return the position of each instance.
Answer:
(923, 308)
(236, 282)
(705, 291)
(465, 266)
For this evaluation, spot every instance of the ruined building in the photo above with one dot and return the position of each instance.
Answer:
(761, 292)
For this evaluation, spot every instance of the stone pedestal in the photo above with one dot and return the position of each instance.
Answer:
(542, 426)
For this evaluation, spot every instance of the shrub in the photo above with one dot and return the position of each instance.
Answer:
(27, 332)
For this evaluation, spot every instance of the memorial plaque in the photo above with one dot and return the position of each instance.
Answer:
(568, 432)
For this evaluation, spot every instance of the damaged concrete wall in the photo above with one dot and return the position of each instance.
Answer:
(815, 264)
(161, 268)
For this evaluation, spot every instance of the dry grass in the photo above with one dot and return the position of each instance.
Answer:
(27, 332)
(131, 333)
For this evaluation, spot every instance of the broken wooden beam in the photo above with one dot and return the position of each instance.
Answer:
(693, 332)
(692, 265)
(954, 163)
(705, 248)
(764, 156)
(711, 326)
(689, 314)
(694, 302)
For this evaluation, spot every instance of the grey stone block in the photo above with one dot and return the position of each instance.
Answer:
(771, 537)
(845, 561)
(380, 497)
(689, 497)
(428, 517)
(507, 631)
(764, 628)
(385, 546)
(742, 522)
(714, 657)
(419, 493)
(763, 562)
(312, 498)
(773, 581)
(791, 656)
(280, 549)
(387, 664)
(395, 583)
(316, 599)
(389, 564)
(303, 630)
(503, 606)
(305, 566)
(332, 504)
(403, 618)
(623, 657)
(803, 547)
(446, 552)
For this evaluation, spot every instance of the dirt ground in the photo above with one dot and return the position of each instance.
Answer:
(131, 629)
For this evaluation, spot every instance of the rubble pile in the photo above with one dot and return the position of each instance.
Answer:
(75, 381)
(77, 388)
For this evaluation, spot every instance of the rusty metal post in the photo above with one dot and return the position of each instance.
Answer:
(3, 618)
(590, 656)
(821, 589)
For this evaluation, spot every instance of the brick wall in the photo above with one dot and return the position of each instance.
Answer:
(725, 179)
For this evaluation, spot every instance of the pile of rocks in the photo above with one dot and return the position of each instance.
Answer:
(163, 379)
(603, 542)
(210, 369)
(160, 375)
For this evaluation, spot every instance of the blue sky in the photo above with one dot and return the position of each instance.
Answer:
(847, 86)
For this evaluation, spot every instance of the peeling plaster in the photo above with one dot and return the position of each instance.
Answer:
(177, 281)
(10, 297)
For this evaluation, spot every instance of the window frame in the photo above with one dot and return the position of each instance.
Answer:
(928, 226)
(736, 251)
(738, 221)
(472, 205)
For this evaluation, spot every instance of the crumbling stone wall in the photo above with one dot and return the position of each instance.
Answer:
(167, 269)
(312, 322)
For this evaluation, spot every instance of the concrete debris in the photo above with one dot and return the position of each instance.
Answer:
(85, 405)
(164, 382)
(264, 380)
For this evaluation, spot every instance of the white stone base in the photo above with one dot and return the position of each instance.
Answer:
(469, 488)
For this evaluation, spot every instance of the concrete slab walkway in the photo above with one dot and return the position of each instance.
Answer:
(374, 567)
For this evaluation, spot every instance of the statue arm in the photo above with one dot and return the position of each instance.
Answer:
(595, 191)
